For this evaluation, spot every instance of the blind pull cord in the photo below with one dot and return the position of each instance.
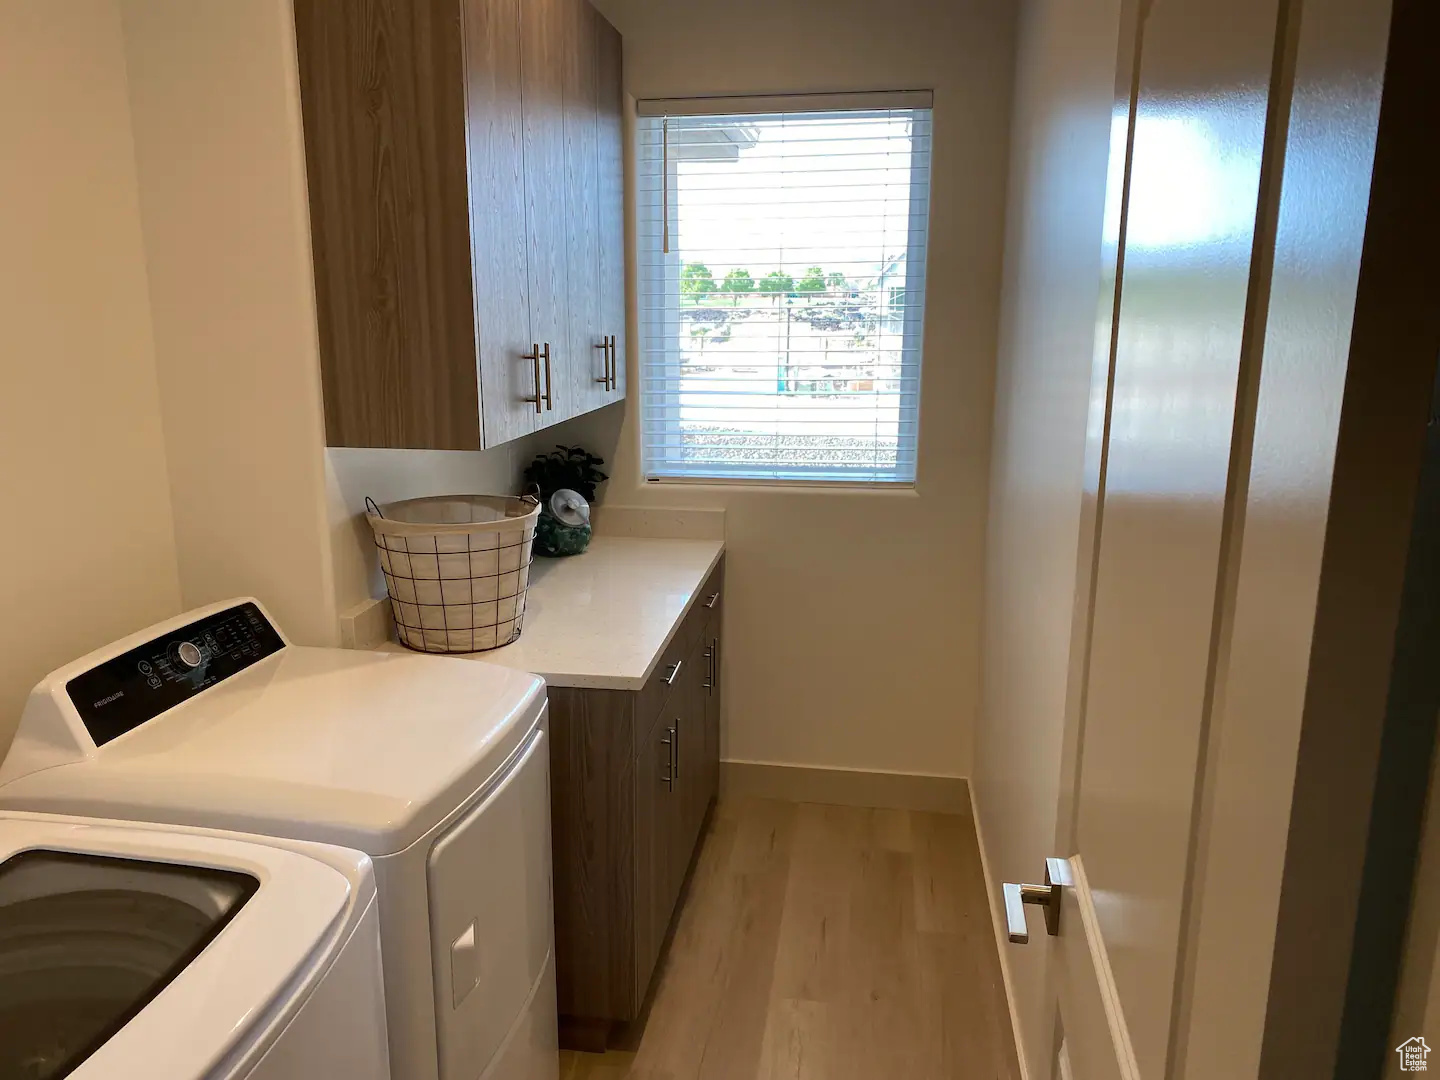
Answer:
(665, 183)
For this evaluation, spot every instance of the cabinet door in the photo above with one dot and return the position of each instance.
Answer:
(687, 706)
(495, 130)
(382, 92)
(656, 824)
(713, 692)
(610, 94)
(543, 46)
(585, 350)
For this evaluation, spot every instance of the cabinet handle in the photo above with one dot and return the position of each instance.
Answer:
(534, 355)
(714, 664)
(614, 365)
(549, 401)
(709, 669)
(712, 600)
(675, 750)
(669, 741)
(669, 679)
(604, 346)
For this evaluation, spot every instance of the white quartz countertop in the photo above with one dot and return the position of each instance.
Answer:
(603, 619)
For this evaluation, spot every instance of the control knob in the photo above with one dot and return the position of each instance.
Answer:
(187, 655)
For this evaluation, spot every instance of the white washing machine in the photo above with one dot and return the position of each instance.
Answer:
(131, 952)
(436, 768)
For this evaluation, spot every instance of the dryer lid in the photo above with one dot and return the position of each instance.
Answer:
(367, 750)
(129, 952)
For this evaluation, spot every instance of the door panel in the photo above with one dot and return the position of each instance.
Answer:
(1198, 141)
(1194, 459)
(713, 597)
(542, 47)
(1094, 1042)
(712, 709)
(688, 704)
(491, 869)
(494, 121)
(656, 817)
(585, 362)
(611, 135)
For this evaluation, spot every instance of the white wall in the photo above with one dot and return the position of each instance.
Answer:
(215, 95)
(88, 548)
(1065, 86)
(853, 618)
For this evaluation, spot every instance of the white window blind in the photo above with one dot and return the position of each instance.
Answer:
(782, 283)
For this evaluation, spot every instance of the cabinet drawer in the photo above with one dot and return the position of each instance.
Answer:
(665, 677)
(711, 596)
(701, 621)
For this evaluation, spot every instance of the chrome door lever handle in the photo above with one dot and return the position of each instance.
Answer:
(1047, 896)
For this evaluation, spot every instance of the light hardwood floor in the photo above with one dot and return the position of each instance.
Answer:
(826, 943)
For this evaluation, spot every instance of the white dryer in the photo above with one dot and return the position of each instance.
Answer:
(131, 952)
(436, 768)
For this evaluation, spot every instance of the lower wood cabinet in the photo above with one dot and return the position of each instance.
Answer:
(633, 776)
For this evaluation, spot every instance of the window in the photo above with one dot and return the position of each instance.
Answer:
(782, 257)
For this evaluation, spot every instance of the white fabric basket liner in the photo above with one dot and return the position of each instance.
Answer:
(456, 568)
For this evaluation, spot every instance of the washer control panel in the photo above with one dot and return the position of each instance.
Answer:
(134, 687)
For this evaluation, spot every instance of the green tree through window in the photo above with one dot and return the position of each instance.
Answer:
(776, 284)
(696, 281)
(812, 282)
(739, 283)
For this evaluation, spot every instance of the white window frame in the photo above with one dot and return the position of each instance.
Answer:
(660, 322)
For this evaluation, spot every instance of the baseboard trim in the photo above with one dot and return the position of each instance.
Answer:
(1002, 935)
(845, 787)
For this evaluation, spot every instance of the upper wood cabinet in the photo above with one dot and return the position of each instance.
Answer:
(465, 171)
(611, 134)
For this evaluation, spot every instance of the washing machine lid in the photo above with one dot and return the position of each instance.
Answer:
(133, 952)
(366, 750)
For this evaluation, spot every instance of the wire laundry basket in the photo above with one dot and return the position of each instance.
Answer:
(456, 568)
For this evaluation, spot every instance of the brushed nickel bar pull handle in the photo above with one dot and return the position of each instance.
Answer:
(714, 664)
(549, 401)
(1047, 896)
(669, 679)
(534, 354)
(614, 365)
(669, 741)
(712, 600)
(709, 669)
(675, 749)
(605, 347)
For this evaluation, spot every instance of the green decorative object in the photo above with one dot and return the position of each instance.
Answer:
(565, 480)
(554, 538)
